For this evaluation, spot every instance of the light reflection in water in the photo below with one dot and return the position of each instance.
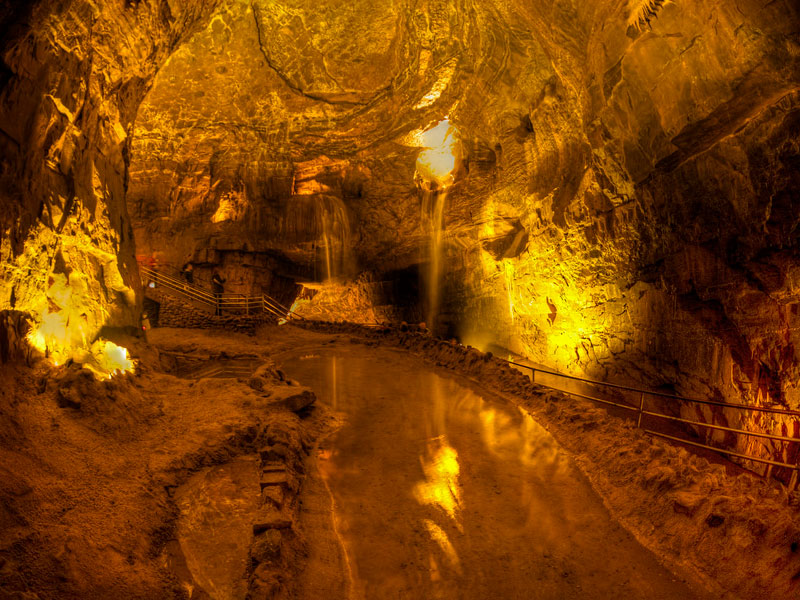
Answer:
(440, 537)
(438, 492)
(440, 487)
(528, 441)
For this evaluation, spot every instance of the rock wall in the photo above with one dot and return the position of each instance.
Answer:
(658, 199)
(171, 312)
(73, 75)
(14, 326)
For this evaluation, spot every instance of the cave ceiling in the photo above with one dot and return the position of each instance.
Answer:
(282, 99)
(560, 107)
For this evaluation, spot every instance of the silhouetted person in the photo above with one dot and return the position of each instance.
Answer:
(218, 287)
(187, 271)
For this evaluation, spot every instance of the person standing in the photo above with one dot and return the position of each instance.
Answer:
(187, 271)
(218, 287)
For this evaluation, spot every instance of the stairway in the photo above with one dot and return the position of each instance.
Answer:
(153, 280)
(186, 305)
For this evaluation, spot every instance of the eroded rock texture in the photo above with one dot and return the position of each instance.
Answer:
(624, 204)
(73, 75)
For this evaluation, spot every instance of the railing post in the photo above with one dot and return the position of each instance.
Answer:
(641, 408)
(793, 480)
(533, 375)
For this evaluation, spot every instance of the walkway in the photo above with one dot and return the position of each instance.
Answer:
(441, 493)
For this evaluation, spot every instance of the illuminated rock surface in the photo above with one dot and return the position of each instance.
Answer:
(73, 77)
(626, 206)
(625, 202)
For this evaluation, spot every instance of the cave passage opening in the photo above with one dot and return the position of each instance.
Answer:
(582, 226)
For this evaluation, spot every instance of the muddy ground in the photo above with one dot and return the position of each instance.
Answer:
(90, 472)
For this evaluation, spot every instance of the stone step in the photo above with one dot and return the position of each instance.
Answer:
(271, 478)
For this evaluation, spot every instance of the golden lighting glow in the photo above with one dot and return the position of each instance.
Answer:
(292, 310)
(309, 175)
(438, 161)
(61, 334)
(510, 439)
(444, 76)
(231, 207)
(550, 316)
(108, 359)
(441, 485)
(440, 537)
(53, 338)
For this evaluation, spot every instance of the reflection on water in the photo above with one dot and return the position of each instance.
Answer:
(441, 493)
(440, 487)
(440, 537)
(503, 435)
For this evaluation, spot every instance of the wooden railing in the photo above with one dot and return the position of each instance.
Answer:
(220, 303)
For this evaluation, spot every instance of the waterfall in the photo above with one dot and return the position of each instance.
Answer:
(433, 202)
(334, 231)
(435, 173)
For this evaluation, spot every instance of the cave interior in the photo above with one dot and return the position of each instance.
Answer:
(193, 190)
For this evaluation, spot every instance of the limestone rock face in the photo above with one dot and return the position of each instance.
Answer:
(624, 203)
(73, 75)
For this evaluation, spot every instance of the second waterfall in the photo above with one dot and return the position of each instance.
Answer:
(436, 166)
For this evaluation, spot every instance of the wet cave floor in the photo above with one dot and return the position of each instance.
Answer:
(422, 471)
(432, 488)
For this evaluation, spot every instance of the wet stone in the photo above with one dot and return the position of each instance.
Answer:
(271, 467)
(257, 383)
(274, 478)
(686, 503)
(267, 546)
(68, 398)
(273, 494)
(264, 584)
(297, 402)
(269, 517)
(277, 452)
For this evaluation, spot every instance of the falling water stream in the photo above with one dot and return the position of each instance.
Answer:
(434, 490)
(436, 166)
(433, 203)
(334, 227)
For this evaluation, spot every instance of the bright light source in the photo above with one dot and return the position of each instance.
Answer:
(109, 360)
(438, 161)
(62, 336)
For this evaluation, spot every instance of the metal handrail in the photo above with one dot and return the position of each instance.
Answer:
(765, 461)
(770, 436)
(228, 301)
(793, 413)
(642, 412)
